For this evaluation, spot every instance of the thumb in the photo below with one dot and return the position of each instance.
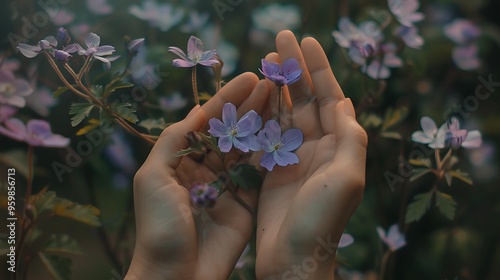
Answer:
(173, 139)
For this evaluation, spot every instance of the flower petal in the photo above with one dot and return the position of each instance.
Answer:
(292, 139)
(240, 145)
(428, 126)
(105, 50)
(178, 52)
(267, 161)
(194, 45)
(251, 142)
(229, 117)
(269, 68)
(225, 143)
(28, 50)
(178, 62)
(217, 128)
(345, 240)
(15, 129)
(284, 158)
(92, 40)
(473, 139)
(421, 137)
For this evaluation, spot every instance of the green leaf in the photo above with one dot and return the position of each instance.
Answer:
(59, 267)
(245, 176)
(125, 111)
(116, 84)
(418, 207)
(86, 214)
(463, 176)
(61, 244)
(97, 90)
(446, 204)
(105, 118)
(43, 202)
(80, 112)
(419, 172)
(391, 134)
(59, 91)
(394, 117)
(184, 152)
(151, 124)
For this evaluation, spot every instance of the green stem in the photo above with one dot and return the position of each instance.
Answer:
(438, 160)
(195, 86)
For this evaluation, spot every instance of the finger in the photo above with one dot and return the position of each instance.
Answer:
(257, 99)
(327, 89)
(173, 139)
(236, 91)
(288, 47)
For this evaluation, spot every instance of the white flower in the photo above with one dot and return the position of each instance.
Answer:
(406, 11)
(430, 134)
(394, 238)
(277, 17)
(163, 16)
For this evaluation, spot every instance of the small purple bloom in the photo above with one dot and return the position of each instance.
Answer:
(13, 91)
(361, 41)
(406, 11)
(35, 133)
(240, 133)
(394, 238)
(456, 137)
(62, 36)
(410, 36)
(195, 54)
(430, 134)
(202, 195)
(466, 57)
(135, 45)
(93, 41)
(279, 148)
(30, 51)
(379, 67)
(462, 31)
(6, 112)
(286, 74)
(61, 56)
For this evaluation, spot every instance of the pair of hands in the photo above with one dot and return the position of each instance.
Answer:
(302, 208)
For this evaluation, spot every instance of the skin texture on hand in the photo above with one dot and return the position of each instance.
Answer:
(174, 240)
(303, 208)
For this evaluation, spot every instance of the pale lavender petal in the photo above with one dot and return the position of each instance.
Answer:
(284, 158)
(15, 129)
(16, 101)
(290, 65)
(395, 239)
(473, 139)
(251, 142)
(23, 88)
(72, 48)
(209, 62)
(428, 126)
(274, 130)
(391, 60)
(421, 137)
(240, 145)
(6, 112)
(55, 141)
(465, 57)
(107, 63)
(377, 71)
(208, 55)
(38, 127)
(92, 40)
(51, 40)
(293, 77)
(194, 45)
(217, 128)
(225, 143)
(28, 50)
(105, 50)
(267, 161)
(341, 39)
(381, 233)
(264, 142)
(246, 124)
(292, 139)
(178, 52)
(229, 117)
(178, 62)
(345, 240)
(80, 49)
(269, 68)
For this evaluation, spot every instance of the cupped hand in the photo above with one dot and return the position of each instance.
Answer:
(304, 208)
(175, 240)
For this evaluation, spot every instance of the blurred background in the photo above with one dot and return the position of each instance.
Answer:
(437, 73)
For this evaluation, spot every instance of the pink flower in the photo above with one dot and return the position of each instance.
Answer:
(379, 67)
(6, 112)
(99, 7)
(406, 11)
(35, 133)
(394, 238)
(61, 16)
(345, 240)
(12, 90)
(465, 57)
(462, 31)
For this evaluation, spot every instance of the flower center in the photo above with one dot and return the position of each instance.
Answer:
(234, 132)
(7, 89)
(278, 146)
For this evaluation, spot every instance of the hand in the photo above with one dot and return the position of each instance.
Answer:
(304, 208)
(175, 241)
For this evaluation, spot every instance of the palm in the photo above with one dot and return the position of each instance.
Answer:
(314, 199)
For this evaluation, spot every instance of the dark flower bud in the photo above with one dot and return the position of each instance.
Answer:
(61, 56)
(203, 195)
(62, 36)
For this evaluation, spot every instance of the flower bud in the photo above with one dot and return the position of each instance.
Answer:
(61, 56)
(62, 36)
(202, 195)
(196, 142)
(134, 45)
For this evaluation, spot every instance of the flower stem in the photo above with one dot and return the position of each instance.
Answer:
(384, 264)
(63, 79)
(438, 160)
(195, 86)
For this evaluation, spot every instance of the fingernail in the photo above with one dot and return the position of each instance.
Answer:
(193, 111)
(349, 108)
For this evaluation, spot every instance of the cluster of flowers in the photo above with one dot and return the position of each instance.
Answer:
(464, 34)
(449, 134)
(365, 43)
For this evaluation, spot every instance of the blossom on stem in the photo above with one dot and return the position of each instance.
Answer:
(35, 133)
(430, 134)
(379, 67)
(93, 41)
(406, 11)
(394, 239)
(233, 132)
(195, 54)
(286, 74)
(279, 148)
(456, 137)
(13, 91)
(361, 41)
(203, 195)
(464, 33)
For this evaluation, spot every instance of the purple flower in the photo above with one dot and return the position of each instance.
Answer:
(41, 100)
(345, 240)
(410, 36)
(135, 45)
(279, 148)
(202, 195)
(13, 90)
(163, 16)
(6, 112)
(465, 57)
(456, 137)
(93, 41)
(99, 7)
(406, 11)
(240, 133)
(35, 133)
(49, 44)
(195, 54)
(462, 31)
(361, 41)
(30, 51)
(60, 16)
(394, 238)
(430, 134)
(62, 36)
(286, 74)
(379, 67)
